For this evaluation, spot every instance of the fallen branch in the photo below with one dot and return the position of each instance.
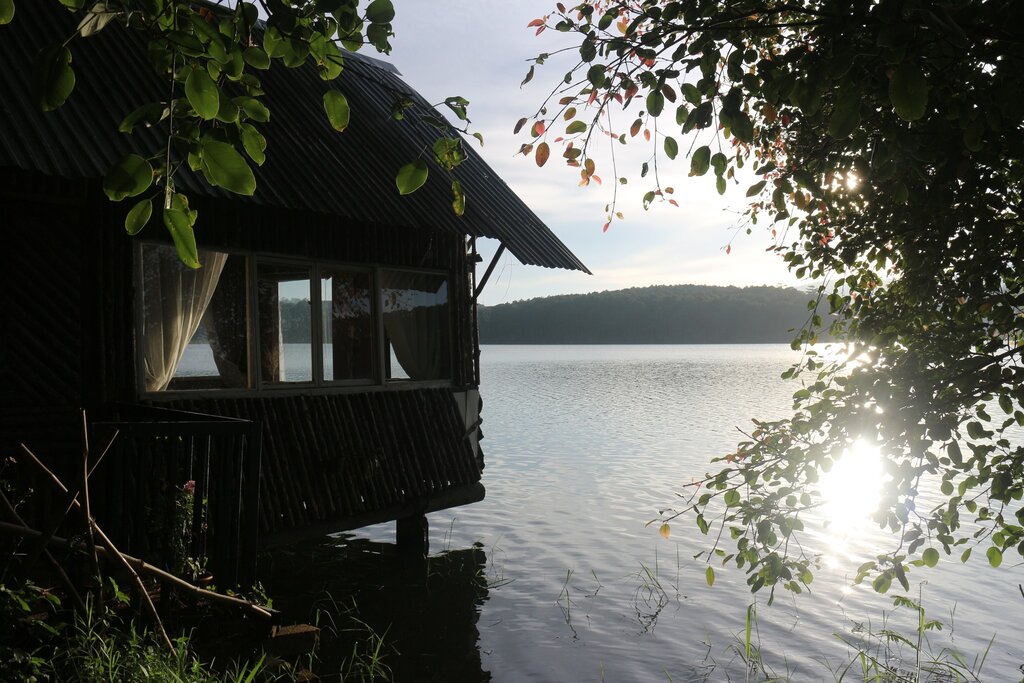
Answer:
(144, 568)
(112, 551)
(12, 512)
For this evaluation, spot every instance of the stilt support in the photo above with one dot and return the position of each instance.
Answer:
(413, 535)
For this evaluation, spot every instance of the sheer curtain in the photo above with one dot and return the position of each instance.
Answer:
(175, 298)
(416, 322)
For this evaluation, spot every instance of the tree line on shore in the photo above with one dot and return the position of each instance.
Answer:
(662, 314)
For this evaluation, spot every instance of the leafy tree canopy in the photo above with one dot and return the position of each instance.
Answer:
(212, 55)
(884, 143)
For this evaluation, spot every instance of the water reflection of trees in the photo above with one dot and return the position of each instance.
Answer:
(426, 609)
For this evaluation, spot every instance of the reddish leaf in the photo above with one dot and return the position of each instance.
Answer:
(535, 22)
(590, 165)
(540, 30)
(606, 226)
(728, 248)
(635, 128)
(647, 134)
(519, 126)
(596, 179)
(538, 129)
(543, 152)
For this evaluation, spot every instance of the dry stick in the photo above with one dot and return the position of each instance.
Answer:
(93, 558)
(143, 593)
(71, 496)
(13, 514)
(145, 568)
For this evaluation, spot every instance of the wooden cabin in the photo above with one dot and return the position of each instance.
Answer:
(320, 372)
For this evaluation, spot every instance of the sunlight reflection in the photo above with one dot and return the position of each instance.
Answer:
(851, 492)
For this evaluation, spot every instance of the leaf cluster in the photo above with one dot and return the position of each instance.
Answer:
(212, 57)
(887, 148)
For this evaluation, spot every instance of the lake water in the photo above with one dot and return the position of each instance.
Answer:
(556, 575)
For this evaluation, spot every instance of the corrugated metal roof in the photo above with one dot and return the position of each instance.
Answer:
(309, 166)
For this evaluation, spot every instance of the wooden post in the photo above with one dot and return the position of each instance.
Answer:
(412, 534)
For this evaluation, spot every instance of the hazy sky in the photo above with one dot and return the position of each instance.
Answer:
(478, 49)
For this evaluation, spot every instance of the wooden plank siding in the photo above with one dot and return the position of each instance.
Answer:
(337, 457)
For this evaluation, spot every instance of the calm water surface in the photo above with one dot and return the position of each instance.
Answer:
(557, 577)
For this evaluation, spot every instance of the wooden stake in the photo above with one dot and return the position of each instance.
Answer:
(84, 488)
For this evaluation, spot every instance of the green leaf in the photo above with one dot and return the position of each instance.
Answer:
(226, 167)
(930, 557)
(845, 115)
(337, 108)
(130, 176)
(458, 198)
(908, 92)
(671, 147)
(995, 556)
(148, 114)
(203, 94)
(53, 79)
(254, 142)
(732, 498)
(6, 11)
(575, 127)
(253, 108)
(380, 11)
(595, 75)
(720, 186)
(411, 177)
(256, 57)
(700, 161)
(709, 576)
(138, 217)
(882, 582)
(655, 102)
(179, 225)
(756, 188)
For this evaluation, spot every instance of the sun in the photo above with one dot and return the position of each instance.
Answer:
(852, 489)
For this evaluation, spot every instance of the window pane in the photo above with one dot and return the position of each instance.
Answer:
(193, 328)
(347, 325)
(416, 325)
(286, 350)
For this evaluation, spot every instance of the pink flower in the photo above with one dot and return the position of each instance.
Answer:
(189, 486)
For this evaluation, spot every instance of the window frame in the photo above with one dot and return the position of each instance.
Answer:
(318, 384)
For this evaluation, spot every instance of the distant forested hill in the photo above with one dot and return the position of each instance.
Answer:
(669, 314)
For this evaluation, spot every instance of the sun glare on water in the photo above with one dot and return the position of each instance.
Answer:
(851, 492)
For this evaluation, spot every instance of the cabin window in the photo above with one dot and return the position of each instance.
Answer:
(247, 323)
(416, 325)
(285, 326)
(347, 325)
(194, 331)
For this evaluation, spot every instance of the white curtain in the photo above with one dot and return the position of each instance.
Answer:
(416, 337)
(174, 300)
(416, 322)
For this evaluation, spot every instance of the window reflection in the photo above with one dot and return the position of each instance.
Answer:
(283, 305)
(347, 325)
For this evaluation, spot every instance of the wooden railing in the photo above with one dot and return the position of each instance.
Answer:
(181, 490)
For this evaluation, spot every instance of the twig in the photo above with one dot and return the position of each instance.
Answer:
(70, 503)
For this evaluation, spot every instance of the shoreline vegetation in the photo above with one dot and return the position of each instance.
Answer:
(658, 314)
